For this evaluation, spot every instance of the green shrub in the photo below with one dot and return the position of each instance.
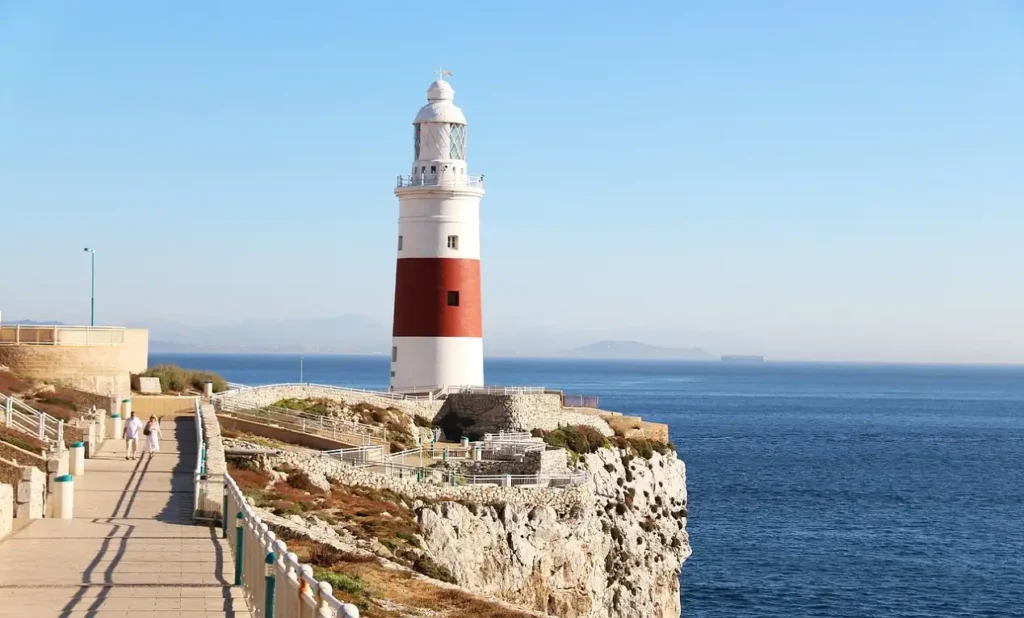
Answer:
(419, 421)
(425, 565)
(580, 439)
(340, 582)
(177, 380)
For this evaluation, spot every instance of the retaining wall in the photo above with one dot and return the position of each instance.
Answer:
(6, 509)
(262, 396)
(480, 413)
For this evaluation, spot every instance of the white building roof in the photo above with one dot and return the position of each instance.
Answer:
(440, 106)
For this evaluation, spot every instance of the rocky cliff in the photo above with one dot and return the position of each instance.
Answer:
(616, 552)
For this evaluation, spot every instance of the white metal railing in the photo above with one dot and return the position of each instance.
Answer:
(349, 432)
(509, 436)
(358, 454)
(19, 334)
(23, 417)
(438, 476)
(273, 580)
(440, 180)
(200, 469)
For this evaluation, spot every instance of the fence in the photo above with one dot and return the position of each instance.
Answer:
(349, 432)
(61, 335)
(19, 415)
(357, 455)
(235, 388)
(437, 476)
(275, 583)
(579, 401)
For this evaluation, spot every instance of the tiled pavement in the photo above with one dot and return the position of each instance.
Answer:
(130, 552)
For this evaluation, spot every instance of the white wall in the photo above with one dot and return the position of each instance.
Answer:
(430, 362)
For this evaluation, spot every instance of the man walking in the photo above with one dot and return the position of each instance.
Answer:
(132, 427)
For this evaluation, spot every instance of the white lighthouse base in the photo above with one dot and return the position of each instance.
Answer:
(423, 364)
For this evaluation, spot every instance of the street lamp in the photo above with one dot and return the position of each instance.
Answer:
(92, 300)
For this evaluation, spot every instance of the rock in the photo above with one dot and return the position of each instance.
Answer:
(296, 519)
(385, 514)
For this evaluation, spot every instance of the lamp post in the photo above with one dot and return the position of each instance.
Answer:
(92, 299)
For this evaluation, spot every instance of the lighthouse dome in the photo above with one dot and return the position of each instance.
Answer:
(440, 105)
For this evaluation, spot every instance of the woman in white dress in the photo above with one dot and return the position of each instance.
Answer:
(151, 433)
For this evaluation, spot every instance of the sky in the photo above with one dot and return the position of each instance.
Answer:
(805, 180)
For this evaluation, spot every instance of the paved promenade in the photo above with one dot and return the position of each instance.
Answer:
(130, 552)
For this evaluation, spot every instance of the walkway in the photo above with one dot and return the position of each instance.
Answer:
(130, 552)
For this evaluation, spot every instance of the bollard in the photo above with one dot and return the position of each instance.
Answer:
(114, 427)
(478, 452)
(65, 497)
(444, 454)
(126, 407)
(239, 546)
(464, 442)
(208, 390)
(271, 583)
(77, 458)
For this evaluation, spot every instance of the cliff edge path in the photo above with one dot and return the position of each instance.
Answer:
(131, 550)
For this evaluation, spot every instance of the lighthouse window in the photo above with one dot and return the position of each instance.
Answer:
(433, 169)
(453, 298)
(416, 142)
(399, 243)
(394, 354)
(458, 142)
(453, 242)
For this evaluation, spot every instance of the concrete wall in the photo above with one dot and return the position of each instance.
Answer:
(163, 405)
(486, 413)
(101, 369)
(535, 462)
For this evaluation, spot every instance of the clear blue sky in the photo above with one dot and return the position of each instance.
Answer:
(813, 180)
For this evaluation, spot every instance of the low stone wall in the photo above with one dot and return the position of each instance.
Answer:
(6, 509)
(554, 461)
(262, 396)
(480, 413)
(216, 464)
(336, 471)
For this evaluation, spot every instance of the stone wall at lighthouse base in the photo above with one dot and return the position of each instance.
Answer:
(425, 363)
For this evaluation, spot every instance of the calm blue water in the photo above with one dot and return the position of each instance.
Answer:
(815, 490)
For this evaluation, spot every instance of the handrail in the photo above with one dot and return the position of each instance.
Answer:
(448, 477)
(273, 580)
(332, 431)
(23, 417)
(57, 334)
(357, 454)
(200, 469)
(439, 180)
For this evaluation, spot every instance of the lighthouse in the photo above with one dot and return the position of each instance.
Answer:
(437, 336)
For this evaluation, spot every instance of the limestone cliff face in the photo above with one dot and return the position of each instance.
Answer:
(617, 552)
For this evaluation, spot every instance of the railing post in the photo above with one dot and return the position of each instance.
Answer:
(239, 546)
(42, 426)
(271, 583)
(224, 523)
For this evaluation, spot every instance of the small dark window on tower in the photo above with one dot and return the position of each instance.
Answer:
(392, 374)
(399, 243)
(394, 354)
(433, 169)
(453, 242)
(453, 298)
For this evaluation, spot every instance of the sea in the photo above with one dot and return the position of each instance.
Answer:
(815, 490)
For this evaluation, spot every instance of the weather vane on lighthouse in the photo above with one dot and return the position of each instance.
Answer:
(441, 72)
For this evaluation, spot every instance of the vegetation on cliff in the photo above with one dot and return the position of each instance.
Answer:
(374, 517)
(57, 401)
(583, 440)
(21, 440)
(174, 379)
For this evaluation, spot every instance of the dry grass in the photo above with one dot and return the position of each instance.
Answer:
(21, 440)
(12, 384)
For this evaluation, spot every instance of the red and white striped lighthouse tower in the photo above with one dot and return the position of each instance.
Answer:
(438, 332)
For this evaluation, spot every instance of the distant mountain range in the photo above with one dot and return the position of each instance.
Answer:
(345, 334)
(638, 351)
